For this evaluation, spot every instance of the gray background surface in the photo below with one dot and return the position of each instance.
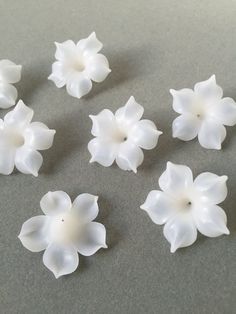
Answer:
(152, 46)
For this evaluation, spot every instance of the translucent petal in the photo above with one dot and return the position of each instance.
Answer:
(34, 233)
(78, 85)
(38, 136)
(211, 134)
(103, 123)
(225, 111)
(129, 156)
(86, 207)
(55, 203)
(20, 116)
(212, 188)
(9, 72)
(102, 151)
(208, 89)
(92, 239)
(89, 45)
(7, 156)
(8, 95)
(186, 127)
(59, 74)
(97, 67)
(130, 113)
(65, 50)
(28, 161)
(183, 100)
(61, 260)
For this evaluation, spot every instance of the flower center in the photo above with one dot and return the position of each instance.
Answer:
(120, 136)
(16, 139)
(78, 64)
(185, 204)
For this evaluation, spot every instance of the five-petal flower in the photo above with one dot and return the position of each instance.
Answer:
(78, 65)
(20, 140)
(185, 206)
(65, 229)
(203, 113)
(10, 73)
(121, 136)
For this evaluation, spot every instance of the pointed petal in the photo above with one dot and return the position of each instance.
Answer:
(103, 123)
(129, 156)
(130, 113)
(225, 111)
(92, 239)
(186, 127)
(86, 207)
(211, 220)
(208, 89)
(158, 206)
(59, 74)
(61, 260)
(34, 234)
(28, 161)
(9, 72)
(8, 95)
(20, 116)
(55, 203)
(183, 100)
(97, 67)
(211, 134)
(38, 136)
(78, 85)
(7, 157)
(144, 134)
(175, 178)
(89, 45)
(65, 50)
(180, 231)
(212, 188)
(102, 151)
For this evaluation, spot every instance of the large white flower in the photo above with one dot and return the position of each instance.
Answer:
(20, 140)
(10, 73)
(78, 65)
(203, 113)
(65, 229)
(121, 136)
(185, 206)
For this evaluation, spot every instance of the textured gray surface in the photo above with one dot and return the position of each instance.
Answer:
(152, 46)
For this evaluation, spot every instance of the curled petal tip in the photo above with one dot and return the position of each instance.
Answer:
(227, 232)
(105, 246)
(224, 178)
(172, 91)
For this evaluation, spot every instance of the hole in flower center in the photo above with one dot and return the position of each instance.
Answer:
(185, 204)
(120, 137)
(78, 64)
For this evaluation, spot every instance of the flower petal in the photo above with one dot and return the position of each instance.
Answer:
(59, 74)
(20, 116)
(38, 136)
(103, 123)
(129, 156)
(158, 206)
(211, 221)
(183, 100)
(78, 85)
(144, 134)
(55, 203)
(34, 233)
(86, 207)
(102, 151)
(211, 134)
(9, 72)
(65, 50)
(92, 239)
(225, 111)
(212, 188)
(180, 231)
(28, 161)
(8, 95)
(209, 89)
(186, 127)
(61, 260)
(130, 113)
(89, 45)
(7, 156)
(175, 178)
(97, 67)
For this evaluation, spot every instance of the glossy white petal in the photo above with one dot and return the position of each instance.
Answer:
(102, 151)
(183, 100)
(212, 188)
(10, 72)
(61, 260)
(186, 127)
(175, 178)
(92, 239)
(59, 74)
(20, 116)
(65, 50)
(130, 113)
(129, 156)
(38, 136)
(7, 160)
(180, 231)
(55, 203)
(34, 233)
(211, 134)
(86, 207)
(103, 123)
(144, 134)
(28, 161)
(158, 206)
(97, 68)
(211, 220)
(225, 111)
(209, 89)
(78, 85)
(90, 45)
(8, 95)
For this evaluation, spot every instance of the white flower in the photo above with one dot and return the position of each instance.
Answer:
(121, 136)
(78, 64)
(20, 140)
(10, 73)
(203, 113)
(186, 206)
(65, 229)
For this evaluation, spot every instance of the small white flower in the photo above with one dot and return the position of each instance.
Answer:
(78, 65)
(186, 206)
(65, 229)
(121, 136)
(203, 113)
(10, 73)
(20, 140)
